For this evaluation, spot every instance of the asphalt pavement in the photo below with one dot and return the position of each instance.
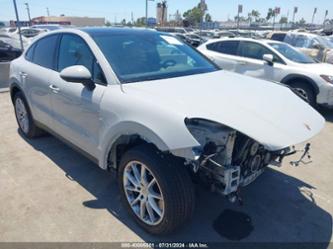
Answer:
(51, 193)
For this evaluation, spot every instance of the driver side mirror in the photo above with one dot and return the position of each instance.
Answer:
(269, 58)
(78, 74)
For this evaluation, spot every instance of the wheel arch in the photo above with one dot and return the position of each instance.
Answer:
(117, 143)
(288, 80)
(15, 88)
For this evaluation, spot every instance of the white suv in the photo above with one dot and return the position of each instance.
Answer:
(274, 61)
(155, 111)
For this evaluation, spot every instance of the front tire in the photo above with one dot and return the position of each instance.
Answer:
(305, 92)
(24, 118)
(157, 191)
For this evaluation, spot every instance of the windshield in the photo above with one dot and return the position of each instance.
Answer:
(324, 42)
(140, 56)
(291, 53)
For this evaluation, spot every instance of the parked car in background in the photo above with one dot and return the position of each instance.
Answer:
(245, 33)
(330, 38)
(32, 32)
(221, 34)
(206, 34)
(25, 31)
(153, 110)
(8, 52)
(191, 39)
(314, 45)
(14, 40)
(173, 30)
(49, 27)
(274, 61)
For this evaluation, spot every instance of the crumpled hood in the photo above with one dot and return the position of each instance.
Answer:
(267, 112)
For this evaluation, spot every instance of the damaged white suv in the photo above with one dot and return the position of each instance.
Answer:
(157, 112)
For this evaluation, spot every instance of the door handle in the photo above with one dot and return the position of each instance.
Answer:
(54, 88)
(242, 63)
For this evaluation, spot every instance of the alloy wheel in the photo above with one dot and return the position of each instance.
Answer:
(22, 115)
(302, 93)
(143, 193)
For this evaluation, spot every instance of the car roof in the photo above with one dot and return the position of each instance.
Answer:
(117, 30)
(262, 41)
(92, 31)
(304, 33)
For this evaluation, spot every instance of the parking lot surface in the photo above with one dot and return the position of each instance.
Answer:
(4, 74)
(49, 192)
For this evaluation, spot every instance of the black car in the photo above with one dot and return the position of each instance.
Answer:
(7, 52)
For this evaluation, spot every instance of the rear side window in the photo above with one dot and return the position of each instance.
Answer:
(225, 47)
(256, 51)
(30, 53)
(44, 51)
(278, 37)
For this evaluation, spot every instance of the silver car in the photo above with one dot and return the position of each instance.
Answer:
(155, 111)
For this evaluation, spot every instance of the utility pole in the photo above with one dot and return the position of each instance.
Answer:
(28, 11)
(277, 11)
(18, 24)
(147, 11)
(313, 16)
(203, 8)
(240, 10)
(47, 11)
(294, 14)
(326, 14)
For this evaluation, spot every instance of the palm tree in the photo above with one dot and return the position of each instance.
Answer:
(255, 14)
(270, 14)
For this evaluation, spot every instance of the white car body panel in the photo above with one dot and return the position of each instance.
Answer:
(278, 72)
(271, 114)
(254, 108)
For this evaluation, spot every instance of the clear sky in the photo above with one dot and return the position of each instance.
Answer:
(118, 9)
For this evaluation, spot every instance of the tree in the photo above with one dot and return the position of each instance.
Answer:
(284, 20)
(256, 15)
(123, 22)
(249, 17)
(270, 14)
(140, 22)
(302, 22)
(108, 23)
(195, 15)
(208, 18)
(241, 19)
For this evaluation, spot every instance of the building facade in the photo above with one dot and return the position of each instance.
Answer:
(69, 20)
(161, 13)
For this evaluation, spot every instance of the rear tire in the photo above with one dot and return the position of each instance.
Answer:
(305, 92)
(24, 118)
(173, 188)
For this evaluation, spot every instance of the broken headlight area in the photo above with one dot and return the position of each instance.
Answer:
(228, 159)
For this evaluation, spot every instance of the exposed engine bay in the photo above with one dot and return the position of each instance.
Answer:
(228, 159)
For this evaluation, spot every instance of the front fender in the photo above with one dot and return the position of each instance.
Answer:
(110, 137)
